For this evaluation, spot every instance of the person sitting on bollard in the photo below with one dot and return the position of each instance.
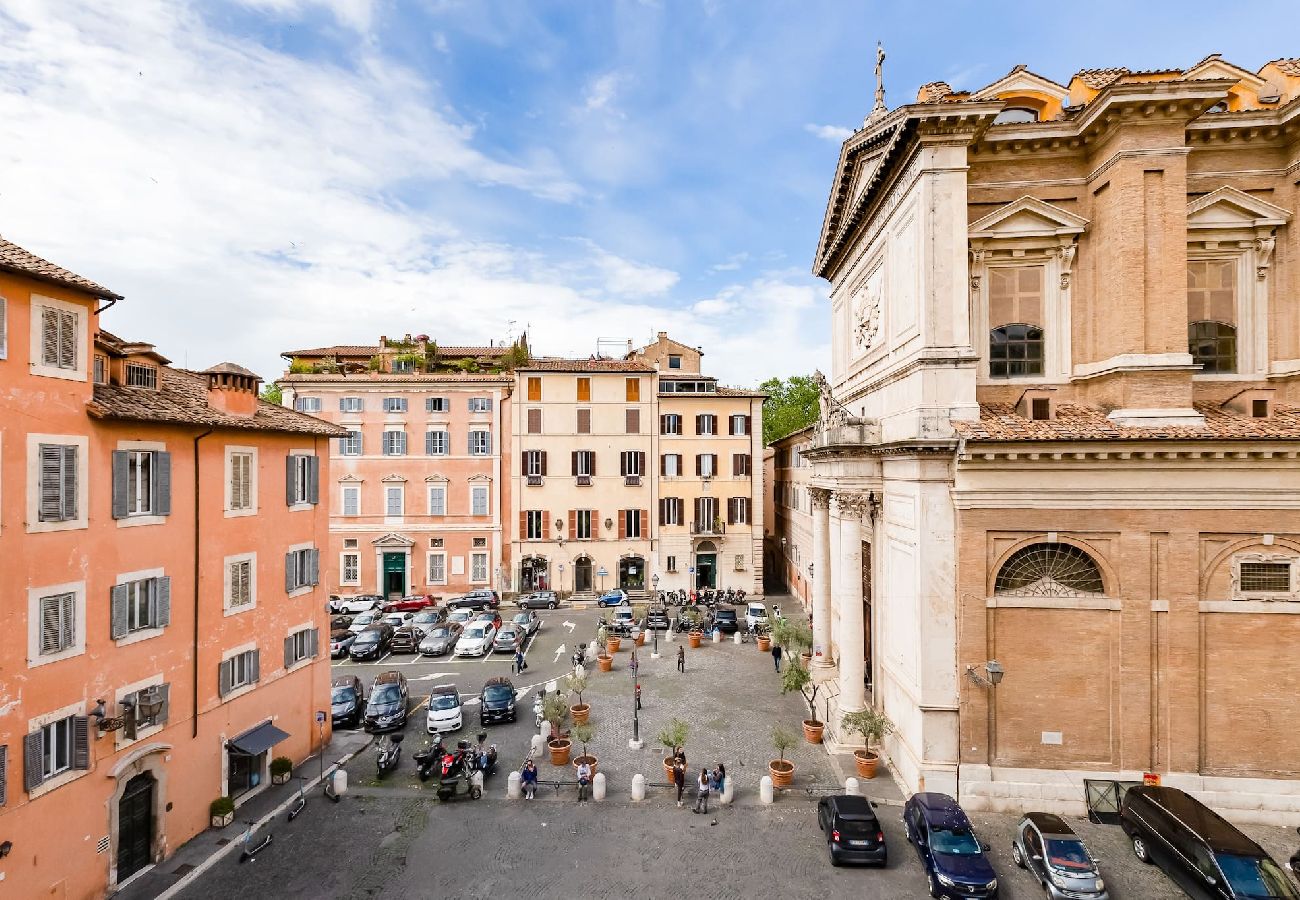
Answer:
(720, 779)
(681, 658)
(702, 791)
(529, 778)
(584, 781)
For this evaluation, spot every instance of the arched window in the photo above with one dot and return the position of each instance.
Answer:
(1016, 114)
(1049, 570)
(1213, 346)
(1015, 350)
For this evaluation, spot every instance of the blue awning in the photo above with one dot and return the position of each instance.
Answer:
(257, 740)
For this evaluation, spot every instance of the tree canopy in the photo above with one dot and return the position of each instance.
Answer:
(791, 404)
(271, 394)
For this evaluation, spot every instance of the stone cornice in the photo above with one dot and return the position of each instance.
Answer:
(1030, 453)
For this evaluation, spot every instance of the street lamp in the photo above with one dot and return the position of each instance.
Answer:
(636, 707)
(992, 677)
(654, 580)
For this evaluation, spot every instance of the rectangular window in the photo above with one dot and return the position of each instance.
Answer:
(350, 444)
(139, 606)
(584, 421)
(402, 366)
(394, 443)
(351, 404)
(437, 404)
(534, 463)
(478, 568)
(534, 421)
(307, 404)
(351, 500)
(142, 376)
(303, 479)
(706, 465)
(584, 463)
(480, 443)
(58, 483)
(672, 564)
(301, 569)
(631, 522)
(738, 511)
(480, 404)
(58, 623)
(478, 498)
(1212, 314)
(633, 421)
(633, 390)
(706, 423)
(101, 362)
(670, 511)
(241, 481)
(738, 424)
(670, 465)
(437, 443)
(534, 389)
(57, 748)
(740, 562)
(350, 570)
(534, 520)
(670, 424)
(437, 500)
(393, 500)
(632, 463)
(584, 389)
(141, 483)
(239, 671)
(299, 646)
(582, 525)
(437, 568)
(740, 465)
(1015, 321)
(1265, 577)
(241, 583)
(480, 542)
(59, 338)
(394, 404)
(674, 362)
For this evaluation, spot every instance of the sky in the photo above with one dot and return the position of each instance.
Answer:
(262, 175)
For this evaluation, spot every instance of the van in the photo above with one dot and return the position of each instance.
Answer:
(1197, 848)
(755, 614)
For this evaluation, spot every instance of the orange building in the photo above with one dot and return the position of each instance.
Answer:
(161, 532)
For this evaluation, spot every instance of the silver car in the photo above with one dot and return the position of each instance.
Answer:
(1048, 847)
(441, 639)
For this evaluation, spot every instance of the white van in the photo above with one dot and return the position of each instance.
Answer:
(755, 614)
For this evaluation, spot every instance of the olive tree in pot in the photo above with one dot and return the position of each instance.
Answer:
(796, 677)
(874, 726)
(584, 734)
(673, 739)
(556, 708)
(781, 769)
(576, 684)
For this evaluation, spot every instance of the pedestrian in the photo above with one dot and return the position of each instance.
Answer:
(520, 662)
(679, 779)
(720, 779)
(638, 696)
(776, 612)
(681, 658)
(584, 781)
(680, 756)
(529, 779)
(702, 792)
(776, 656)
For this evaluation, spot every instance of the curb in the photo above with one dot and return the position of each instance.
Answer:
(222, 852)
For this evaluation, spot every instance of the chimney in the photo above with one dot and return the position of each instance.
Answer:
(663, 336)
(232, 390)
(629, 345)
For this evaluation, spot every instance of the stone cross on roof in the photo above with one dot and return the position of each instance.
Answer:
(879, 109)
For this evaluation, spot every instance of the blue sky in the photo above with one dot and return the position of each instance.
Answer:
(266, 174)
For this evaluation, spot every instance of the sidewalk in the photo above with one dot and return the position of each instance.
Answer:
(205, 848)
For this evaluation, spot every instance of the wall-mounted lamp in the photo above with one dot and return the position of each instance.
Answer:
(5, 848)
(991, 677)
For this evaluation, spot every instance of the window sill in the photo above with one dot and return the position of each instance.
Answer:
(302, 590)
(241, 513)
(136, 637)
(44, 371)
(394, 520)
(58, 781)
(46, 659)
(241, 608)
(300, 664)
(1286, 607)
(301, 507)
(236, 693)
(143, 734)
(69, 525)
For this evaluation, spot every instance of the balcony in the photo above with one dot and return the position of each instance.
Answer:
(535, 480)
(584, 481)
(717, 526)
(632, 480)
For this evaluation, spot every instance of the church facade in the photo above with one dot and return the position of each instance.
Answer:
(1056, 479)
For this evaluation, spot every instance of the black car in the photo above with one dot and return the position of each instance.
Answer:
(373, 642)
(497, 702)
(724, 620)
(386, 708)
(407, 638)
(853, 833)
(479, 599)
(347, 700)
(1197, 848)
(538, 600)
(656, 619)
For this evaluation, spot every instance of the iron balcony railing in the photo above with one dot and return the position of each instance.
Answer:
(714, 527)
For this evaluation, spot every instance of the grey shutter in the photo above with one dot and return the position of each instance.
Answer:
(288, 651)
(33, 768)
(313, 479)
(81, 742)
(254, 665)
(163, 598)
(117, 600)
(68, 340)
(69, 482)
(49, 336)
(313, 642)
(68, 625)
(313, 567)
(162, 483)
(290, 582)
(488, 401)
(428, 443)
(51, 476)
(223, 678)
(470, 442)
(4, 749)
(121, 481)
(164, 692)
(290, 467)
(401, 443)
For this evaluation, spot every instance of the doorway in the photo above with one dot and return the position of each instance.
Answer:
(135, 826)
(706, 570)
(582, 583)
(245, 771)
(394, 575)
(631, 573)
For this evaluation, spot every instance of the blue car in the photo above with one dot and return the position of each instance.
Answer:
(953, 857)
(615, 597)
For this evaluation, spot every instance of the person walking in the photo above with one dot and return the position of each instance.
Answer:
(776, 656)
(638, 695)
(520, 662)
(584, 781)
(528, 777)
(681, 658)
(679, 779)
(702, 791)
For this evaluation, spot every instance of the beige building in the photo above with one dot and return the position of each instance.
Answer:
(1061, 433)
(791, 547)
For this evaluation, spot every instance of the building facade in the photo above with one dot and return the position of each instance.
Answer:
(1063, 403)
(163, 529)
(791, 545)
(418, 487)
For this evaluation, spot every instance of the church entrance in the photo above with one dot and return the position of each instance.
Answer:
(582, 583)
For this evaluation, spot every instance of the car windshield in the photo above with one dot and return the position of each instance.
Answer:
(461, 615)
(386, 693)
(343, 694)
(477, 631)
(958, 842)
(444, 701)
(440, 632)
(363, 619)
(497, 692)
(521, 619)
(725, 614)
(424, 618)
(1255, 877)
(506, 634)
(1068, 856)
(368, 637)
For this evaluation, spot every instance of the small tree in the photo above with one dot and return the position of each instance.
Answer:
(555, 708)
(797, 678)
(602, 637)
(281, 765)
(576, 684)
(584, 734)
(673, 735)
(272, 394)
(299, 367)
(782, 740)
(871, 723)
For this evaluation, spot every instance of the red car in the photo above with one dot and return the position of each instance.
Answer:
(411, 603)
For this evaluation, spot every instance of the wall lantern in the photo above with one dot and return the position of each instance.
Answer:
(991, 677)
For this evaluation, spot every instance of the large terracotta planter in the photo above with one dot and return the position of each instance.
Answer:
(640, 638)
(613, 644)
(812, 731)
(580, 712)
(782, 772)
(866, 761)
(668, 769)
(560, 751)
(807, 659)
(605, 662)
(695, 637)
(589, 759)
(764, 644)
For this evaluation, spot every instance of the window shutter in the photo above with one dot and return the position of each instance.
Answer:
(164, 693)
(663, 507)
(51, 476)
(163, 601)
(749, 424)
(663, 464)
(49, 624)
(573, 524)
(290, 583)
(68, 340)
(663, 424)
(121, 481)
(731, 510)
(49, 337)
(534, 421)
(161, 472)
(289, 471)
(254, 665)
(4, 749)
(523, 461)
(223, 678)
(523, 524)
(81, 742)
(69, 482)
(622, 463)
(288, 651)
(546, 525)
(313, 479)
(487, 442)
(591, 458)
(118, 619)
(699, 424)
(573, 462)
(313, 643)
(313, 567)
(640, 462)
(645, 524)
(622, 524)
(428, 443)
(469, 448)
(699, 464)
(543, 462)
(731, 425)
(713, 464)
(633, 421)
(33, 769)
(68, 625)
(584, 421)
(699, 510)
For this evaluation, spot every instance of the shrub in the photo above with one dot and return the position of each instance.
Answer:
(281, 765)
(673, 735)
(555, 708)
(871, 723)
(576, 684)
(782, 740)
(584, 734)
(797, 678)
(222, 806)
(300, 367)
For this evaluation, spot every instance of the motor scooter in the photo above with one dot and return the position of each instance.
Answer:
(486, 756)
(388, 754)
(537, 709)
(428, 758)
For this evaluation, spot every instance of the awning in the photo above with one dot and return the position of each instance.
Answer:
(257, 740)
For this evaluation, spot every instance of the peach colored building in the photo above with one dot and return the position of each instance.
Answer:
(418, 489)
(162, 529)
(794, 569)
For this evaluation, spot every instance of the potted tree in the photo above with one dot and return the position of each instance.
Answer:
(695, 636)
(584, 734)
(781, 769)
(555, 708)
(673, 738)
(576, 684)
(222, 811)
(796, 677)
(638, 629)
(874, 726)
(281, 769)
(801, 639)
(604, 661)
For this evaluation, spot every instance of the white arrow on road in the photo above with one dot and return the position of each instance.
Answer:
(558, 653)
(570, 625)
(434, 675)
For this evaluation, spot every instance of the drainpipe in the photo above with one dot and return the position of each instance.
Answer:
(195, 695)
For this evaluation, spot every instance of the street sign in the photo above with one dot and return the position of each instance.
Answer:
(602, 572)
(320, 715)
(692, 570)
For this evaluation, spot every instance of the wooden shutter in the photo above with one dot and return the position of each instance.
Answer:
(163, 601)
(713, 464)
(699, 468)
(81, 742)
(584, 421)
(731, 510)
(584, 389)
(523, 524)
(69, 482)
(534, 421)
(4, 748)
(546, 525)
(290, 471)
(645, 524)
(51, 483)
(469, 443)
(622, 463)
(313, 643)
(121, 483)
(573, 462)
(33, 767)
(640, 463)
(313, 567)
(67, 620)
(68, 340)
(223, 678)
(633, 421)
(288, 651)
(162, 483)
(663, 506)
(622, 524)
(49, 337)
(428, 442)
(523, 462)
(731, 425)
(663, 464)
(313, 479)
(749, 424)
(573, 524)
(290, 582)
(118, 616)
(543, 462)
(534, 388)
(254, 666)
(164, 692)
(592, 460)
(699, 510)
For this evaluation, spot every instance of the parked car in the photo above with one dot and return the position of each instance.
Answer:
(755, 614)
(427, 618)
(725, 621)
(357, 603)
(373, 642)
(953, 858)
(444, 710)
(363, 621)
(477, 599)
(1047, 846)
(616, 597)
(529, 621)
(853, 833)
(461, 617)
(386, 708)
(398, 619)
(340, 623)
(347, 701)
(497, 702)
(407, 638)
(493, 617)
(340, 643)
(539, 600)
(410, 603)
(441, 639)
(476, 639)
(508, 639)
(656, 618)
(1197, 848)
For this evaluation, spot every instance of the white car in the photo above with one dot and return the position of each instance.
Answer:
(476, 639)
(363, 621)
(356, 603)
(755, 614)
(444, 710)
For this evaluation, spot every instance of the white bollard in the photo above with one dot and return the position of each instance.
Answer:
(717, 636)
(476, 780)
(598, 786)
(852, 787)
(765, 789)
(539, 741)
(513, 791)
(735, 638)
(340, 782)
(544, 732)
(671, 636)
(638, 786)
(728, 791)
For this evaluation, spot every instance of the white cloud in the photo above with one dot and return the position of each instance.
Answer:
(602, 91)
(356, 14)
(834, 133)
(733, 262)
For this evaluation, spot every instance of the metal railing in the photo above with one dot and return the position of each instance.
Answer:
(715, 527)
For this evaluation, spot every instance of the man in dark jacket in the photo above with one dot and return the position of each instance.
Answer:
(776, 656)
(679, 779)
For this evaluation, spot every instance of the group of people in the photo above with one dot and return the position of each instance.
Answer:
(705, 784)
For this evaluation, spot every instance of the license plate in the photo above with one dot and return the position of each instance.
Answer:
(857, 843)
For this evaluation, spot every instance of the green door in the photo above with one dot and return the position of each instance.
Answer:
(394, 574)
(706, 570)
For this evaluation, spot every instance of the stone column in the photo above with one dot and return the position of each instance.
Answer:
(823, 660)
(848, 597)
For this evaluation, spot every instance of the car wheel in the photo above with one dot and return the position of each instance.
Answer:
(626, 602)
(551, 605)
(1017, 857)
(1140, 849)
(934, 885)
(475, 792)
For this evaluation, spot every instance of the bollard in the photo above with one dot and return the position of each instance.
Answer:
(728, 790)
(765, 789)
(538, 743)
(476, 780)
(340, 782)
(513, 790)
(717, 635)
(638, 786)
(598, 786)
(735, 638)
(671, 636)
(544, 732)
(852, 787)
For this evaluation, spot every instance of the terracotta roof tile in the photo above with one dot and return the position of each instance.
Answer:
(364, 378)
(229, 368)
(1288, 66)
(1099, 78)
(585, 365)
(933, 92)
(452, 350)
(336, 350)
(182, 399)
(999, 422)
(15, 259)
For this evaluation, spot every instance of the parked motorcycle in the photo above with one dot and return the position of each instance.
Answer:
(428, 759)
(537, 709)
(388, 754)
(486, 755)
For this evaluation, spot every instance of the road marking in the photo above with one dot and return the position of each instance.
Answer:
(558, 651)
(570, 625)
(433, 676)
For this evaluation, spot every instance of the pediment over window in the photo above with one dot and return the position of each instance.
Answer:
(350, 479)
(393, 540)
(1020, 80)
(394, 478)
(1027, 217)
(438, 478)
(1228, 207)
(480, 478)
